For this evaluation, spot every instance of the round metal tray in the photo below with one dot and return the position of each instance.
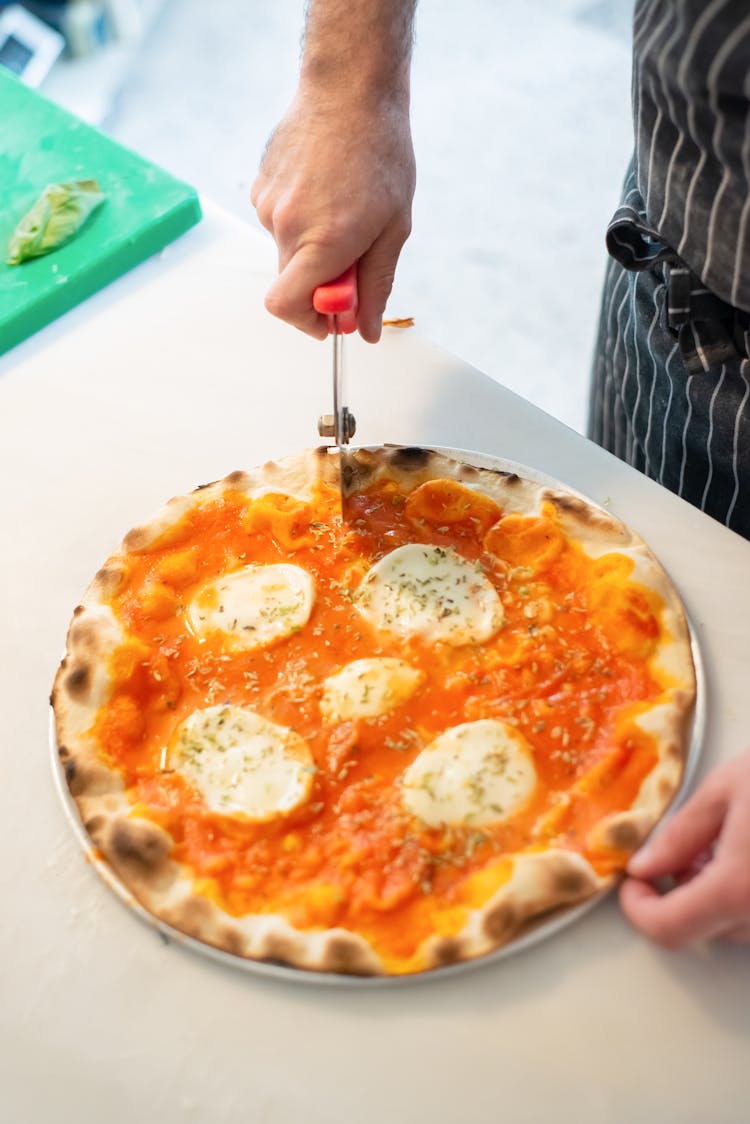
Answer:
(540, 931)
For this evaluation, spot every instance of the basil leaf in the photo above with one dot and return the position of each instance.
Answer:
(58, 215)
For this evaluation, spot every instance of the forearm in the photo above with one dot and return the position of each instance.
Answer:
(358, 47)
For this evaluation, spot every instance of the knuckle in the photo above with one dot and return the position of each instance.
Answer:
(403, 228)
(283, 217)
(258, 198)
(286, 218)
(265, 220)
(255, 191)
(279, 306)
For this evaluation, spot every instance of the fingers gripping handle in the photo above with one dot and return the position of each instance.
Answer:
(339, 298)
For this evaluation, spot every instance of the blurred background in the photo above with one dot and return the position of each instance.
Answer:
(521, 119)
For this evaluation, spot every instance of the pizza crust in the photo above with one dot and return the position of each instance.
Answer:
(139, 852)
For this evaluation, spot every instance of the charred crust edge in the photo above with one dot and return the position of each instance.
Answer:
(501, 922)
(410, 457)
(571, 883)
(230, 940)
(95, 824)
(566, 504)
(345, 955)
(136, 538)
(279, 949)
(624, 835)
(237, 479)
(447, 950)
(108, 579)
(77, 682)
(139, 844)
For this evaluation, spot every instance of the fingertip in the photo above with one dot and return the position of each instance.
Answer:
(639, 864)
(370, 330)
(637, 902)
(633, 892)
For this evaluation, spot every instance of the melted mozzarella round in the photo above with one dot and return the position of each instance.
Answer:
(254, 606)
(242, 763)
(433, 593)
(367, 688)
(475, 773)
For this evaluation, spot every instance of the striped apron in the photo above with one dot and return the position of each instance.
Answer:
(671, 380)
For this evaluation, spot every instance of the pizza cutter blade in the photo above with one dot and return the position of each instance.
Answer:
(338, 301)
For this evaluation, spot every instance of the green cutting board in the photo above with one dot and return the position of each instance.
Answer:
(145, 209)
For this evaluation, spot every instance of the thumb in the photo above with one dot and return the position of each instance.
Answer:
(683, 838)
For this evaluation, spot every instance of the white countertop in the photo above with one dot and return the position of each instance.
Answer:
(175, 376)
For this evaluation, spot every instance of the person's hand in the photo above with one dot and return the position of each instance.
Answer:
(335, 187)
(705, 849)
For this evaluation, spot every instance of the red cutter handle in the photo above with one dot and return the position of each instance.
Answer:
(339, 298)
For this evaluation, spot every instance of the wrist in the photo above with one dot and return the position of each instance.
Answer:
(358, 50)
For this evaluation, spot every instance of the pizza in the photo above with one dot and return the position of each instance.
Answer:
(376, 746)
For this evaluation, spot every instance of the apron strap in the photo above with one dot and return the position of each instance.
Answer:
(708, 330)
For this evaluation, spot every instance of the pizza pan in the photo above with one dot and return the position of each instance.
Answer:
(541, 930)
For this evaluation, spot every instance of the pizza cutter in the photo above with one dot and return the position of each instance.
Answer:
(338, 300)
